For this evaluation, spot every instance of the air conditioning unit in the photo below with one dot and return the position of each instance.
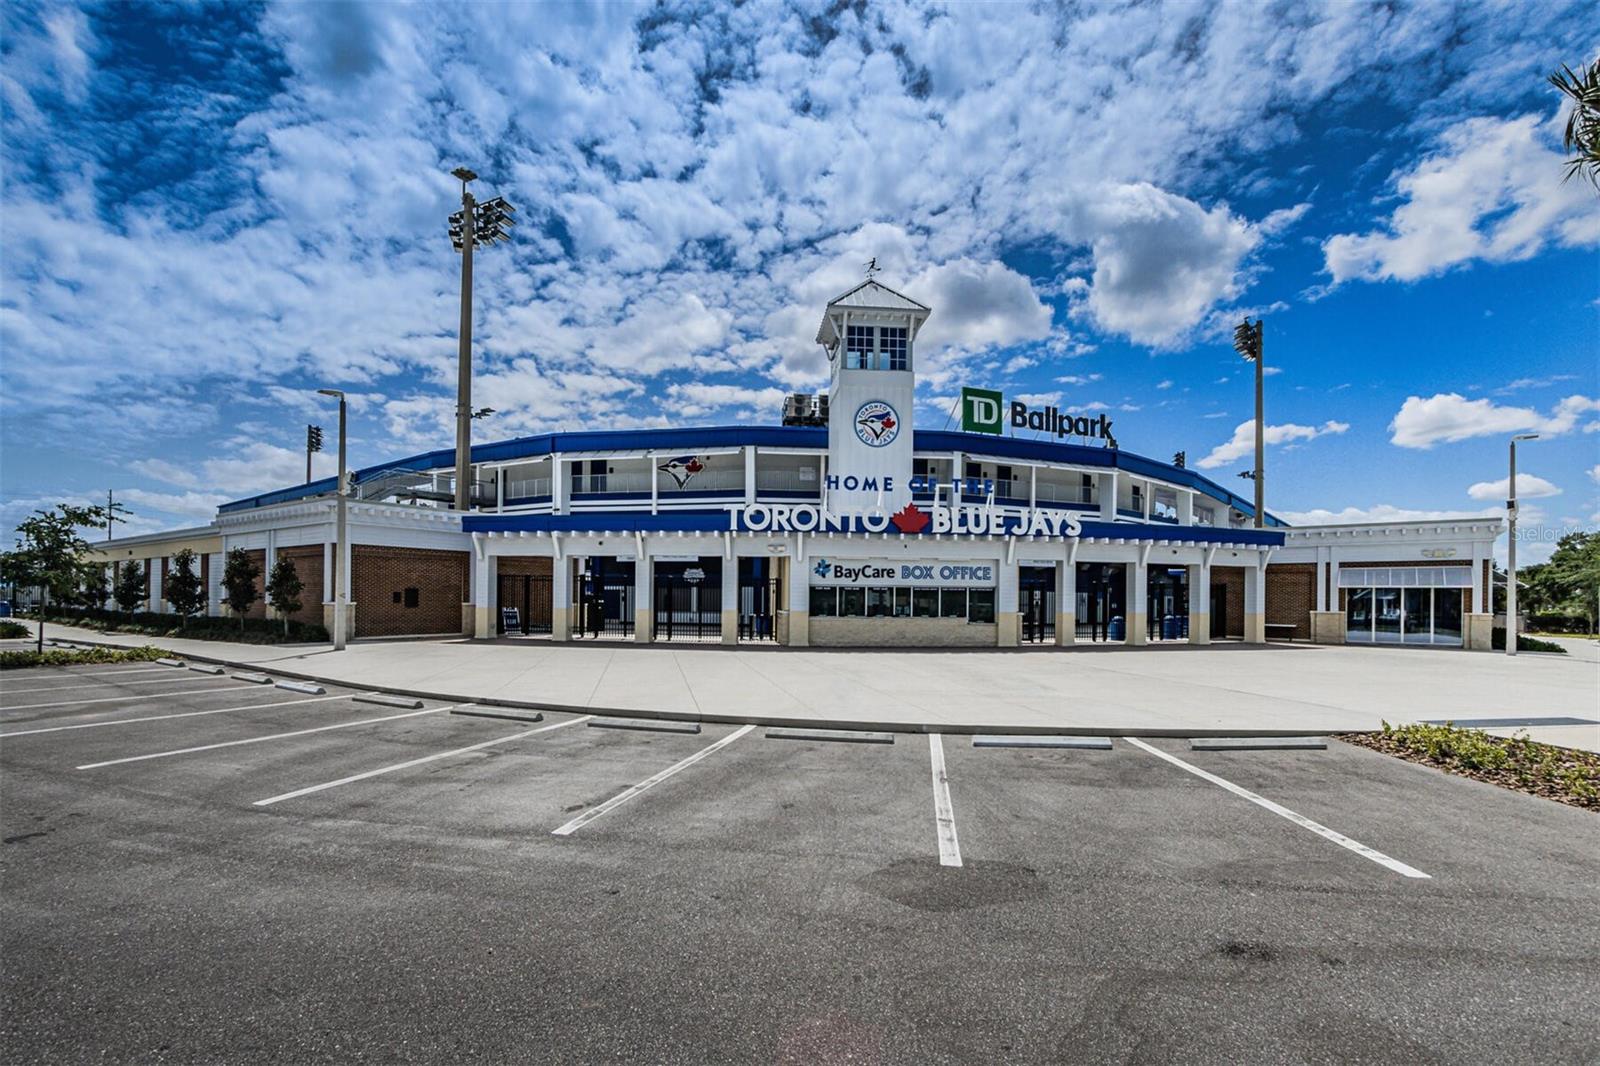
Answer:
(797, 409)
(822, 410)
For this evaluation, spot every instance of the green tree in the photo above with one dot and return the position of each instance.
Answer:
(239, 576)
(94, 590)
(182, 588)
(132, 587)
(283, 589)
(1572, 576)
(1582, 134)
(54, 553)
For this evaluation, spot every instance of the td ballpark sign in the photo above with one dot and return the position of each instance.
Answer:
(982, 410)
(964, 520)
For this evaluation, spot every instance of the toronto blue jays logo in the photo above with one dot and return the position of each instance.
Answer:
(877, 424)
(821, 569)
(681, 469)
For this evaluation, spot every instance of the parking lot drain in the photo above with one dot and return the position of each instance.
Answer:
(1257, 743)
(170, 662)
(254, 679)
(388, 701)
(202, 668)
(512, 716)
(1000, 740)
(309, 688)
(649, 725)
(838, 736)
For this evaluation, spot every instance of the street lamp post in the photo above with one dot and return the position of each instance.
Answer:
(473, 225)
(342, 557)
(1247, 342)
(1511, 546)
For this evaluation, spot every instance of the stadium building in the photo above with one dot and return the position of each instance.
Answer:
(843, 526)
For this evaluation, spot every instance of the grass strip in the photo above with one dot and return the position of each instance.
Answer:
(18, 660)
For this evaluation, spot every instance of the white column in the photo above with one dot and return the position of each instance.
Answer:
(266, 570)
(1322, 578)
(1033, 487)
(1478, 599)
(558, 485)
(749, 474)
(730, 599)
(1199, 578)
(153, 575)
(484, 568)
(1008, 621)
(799, 601)
(1255, 600)
(561, 599)
(1108, 496)
(1136, 597)
(1067, 599)
(1186, 507)
(644, 593)
(655, 483)
(500, 489)
(327, 568)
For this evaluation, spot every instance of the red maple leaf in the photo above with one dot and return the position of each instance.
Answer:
(694, 466)
(888, 424)
(910, 520)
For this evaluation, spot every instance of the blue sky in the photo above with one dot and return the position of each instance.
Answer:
(209, 211)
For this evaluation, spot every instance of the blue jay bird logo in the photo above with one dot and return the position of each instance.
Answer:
(877, 424)
(821, 569)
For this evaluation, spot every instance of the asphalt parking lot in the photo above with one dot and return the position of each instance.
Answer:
(200, 869)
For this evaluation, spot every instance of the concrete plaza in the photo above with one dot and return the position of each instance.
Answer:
(1173, 690)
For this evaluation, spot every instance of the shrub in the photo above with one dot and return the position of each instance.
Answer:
(1497, 640)
(1563, 774)
(1551, 622)
(244, 630)
(10, 630)
(17, 660)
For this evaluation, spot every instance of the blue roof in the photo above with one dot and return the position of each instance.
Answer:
(806, 437)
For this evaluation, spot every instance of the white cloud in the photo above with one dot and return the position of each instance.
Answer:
(1491, 192)
(1383, 512)
(699, 398)
(1528, 487)
(1243, 441)
(1164, 384)
(1594, 473)
(1448, 417)
(1161, 261)
(1080, 379)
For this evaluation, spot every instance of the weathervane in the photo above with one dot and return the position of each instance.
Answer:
(872, 267)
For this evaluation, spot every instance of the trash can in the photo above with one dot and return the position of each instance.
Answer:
(5, 608)
(1169, 627)
(1116, 630)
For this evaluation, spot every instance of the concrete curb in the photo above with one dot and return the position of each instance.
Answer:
(778, 721)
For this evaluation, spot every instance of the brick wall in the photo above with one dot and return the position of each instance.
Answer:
(381, 576)
(307, 561)
(539, 605)
(1230, 579)
(1291, 596)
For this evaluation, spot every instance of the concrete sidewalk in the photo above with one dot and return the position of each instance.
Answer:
(1178, 690)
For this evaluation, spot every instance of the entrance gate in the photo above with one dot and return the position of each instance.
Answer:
(1101, 595)
(760, 592)
(1036, 600)
(689, 600)
(604, 597)
(530, 595)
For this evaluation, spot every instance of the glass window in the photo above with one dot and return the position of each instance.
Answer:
(852, 603)
(1358, 614)
(824, 602)
(925, 603)
(858, 347)
(1386, 614)
(880, 602)
(892, 348)
(1417, 616)
(980, 605)
(1447, 616)
(902, 603)
(952, 603)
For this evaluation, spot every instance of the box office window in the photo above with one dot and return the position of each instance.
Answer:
(980, 605)
(925, 603)
(952, 603)
(824, 602)
(852, 603)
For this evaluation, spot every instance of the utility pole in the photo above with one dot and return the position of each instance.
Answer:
(1511, 548)
(1247, 342)
(343, 557)
(474, 224)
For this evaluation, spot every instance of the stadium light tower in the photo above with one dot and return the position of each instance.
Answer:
(475, 224)
(1247, 342)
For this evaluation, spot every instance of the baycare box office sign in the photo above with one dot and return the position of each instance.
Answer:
(922, 573)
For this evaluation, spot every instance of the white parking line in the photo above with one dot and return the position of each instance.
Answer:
(1305, 823)
(944, 813)
(164, 717)
(76, 672)
(261, 739)
(118, 699)
(417, 762)
(165, 678)
(651, 782)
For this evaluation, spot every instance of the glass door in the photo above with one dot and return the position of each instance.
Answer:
(1417, 616)
(1358, 614)
(1447, 616)
(1386, 615)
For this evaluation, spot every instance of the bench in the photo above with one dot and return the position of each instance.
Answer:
(1280, 631)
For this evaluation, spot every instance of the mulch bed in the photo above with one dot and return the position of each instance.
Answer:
(1565, 775)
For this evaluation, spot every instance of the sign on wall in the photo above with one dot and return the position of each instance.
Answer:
(980, 410)
(922, 573)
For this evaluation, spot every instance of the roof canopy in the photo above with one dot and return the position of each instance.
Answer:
(869, 295)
